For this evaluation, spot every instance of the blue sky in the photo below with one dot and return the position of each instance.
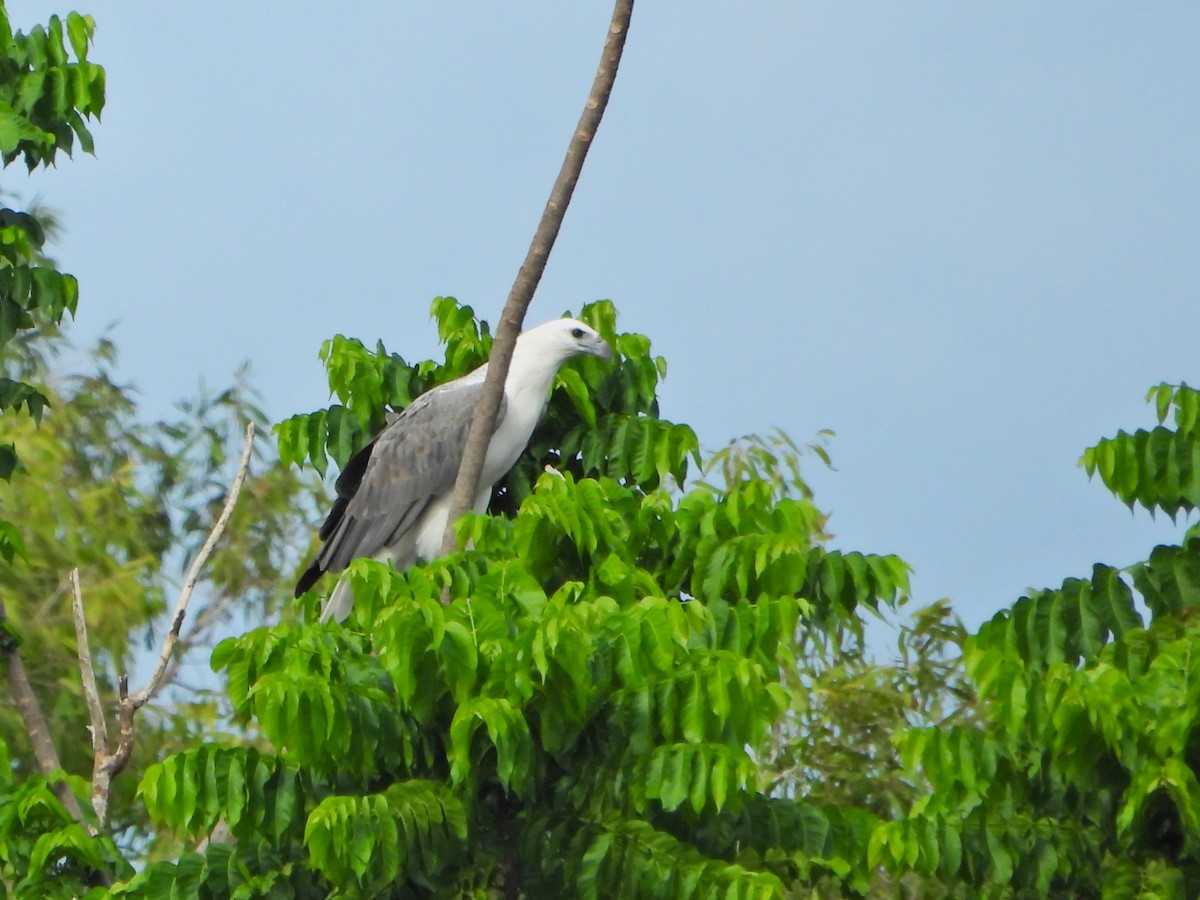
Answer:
(962, 236)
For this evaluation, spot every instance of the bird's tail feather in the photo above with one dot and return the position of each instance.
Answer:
(309, 578)
(340, 602)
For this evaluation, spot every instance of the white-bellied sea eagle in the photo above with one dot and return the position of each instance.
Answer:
(393, 496)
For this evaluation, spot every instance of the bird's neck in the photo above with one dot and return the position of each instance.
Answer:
(530, 376)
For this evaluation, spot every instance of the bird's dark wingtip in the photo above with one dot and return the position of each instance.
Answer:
(308, 579)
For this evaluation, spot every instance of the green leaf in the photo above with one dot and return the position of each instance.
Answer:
(8, 461)
(79, 31)
(410, 831)
(15, 394)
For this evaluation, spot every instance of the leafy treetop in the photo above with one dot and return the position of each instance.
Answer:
(582, 719)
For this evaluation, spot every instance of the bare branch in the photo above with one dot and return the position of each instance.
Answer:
(530, 273)
(30, 710)
(87, 673)
(206, 618)
(139, 699)
(109, 763)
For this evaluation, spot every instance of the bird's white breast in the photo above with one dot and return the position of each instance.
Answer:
(526, 392)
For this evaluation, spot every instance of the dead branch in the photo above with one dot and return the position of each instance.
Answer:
(530, 273)
(110, 761)
(87, 673)
(208, 616)
(139, 699)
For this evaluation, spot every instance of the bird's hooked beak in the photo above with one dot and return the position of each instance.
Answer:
(598, 347)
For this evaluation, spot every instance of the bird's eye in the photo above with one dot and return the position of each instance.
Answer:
(577, 333)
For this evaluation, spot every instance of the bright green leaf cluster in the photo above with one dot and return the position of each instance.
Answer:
(1159, 468)
(319, 696)
(45, 97)
(411, 831)
(366, 383)
(252, 793)
(1069, 624)
(44, 852)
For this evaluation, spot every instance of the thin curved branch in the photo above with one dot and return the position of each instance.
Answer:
(530, 273)
(189, 585)
(109, 762)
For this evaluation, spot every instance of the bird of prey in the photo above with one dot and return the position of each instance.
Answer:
(393, 496)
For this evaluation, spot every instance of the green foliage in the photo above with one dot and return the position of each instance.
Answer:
(1159, 468)
(630, 858)
(834, 748)
(44, 852)
(587, 715)
(1081, 778)
(44, 101)
(220, 872)
(837, 744)
(15, 394)
(251, 792)
(45, 97)
(410, 832)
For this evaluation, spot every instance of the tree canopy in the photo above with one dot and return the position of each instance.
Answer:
(584, 716)
(614, 702)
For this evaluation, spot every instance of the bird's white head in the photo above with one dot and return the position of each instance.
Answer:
(563, 339)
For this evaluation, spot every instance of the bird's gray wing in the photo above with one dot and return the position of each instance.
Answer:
(386, 487)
